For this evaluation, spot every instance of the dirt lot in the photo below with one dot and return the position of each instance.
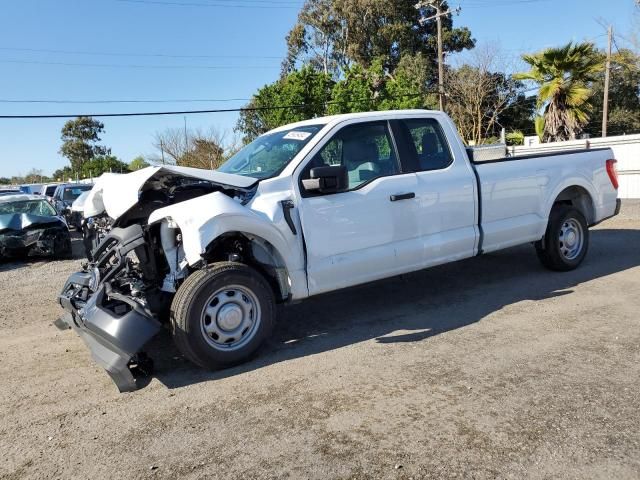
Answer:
(491, 367)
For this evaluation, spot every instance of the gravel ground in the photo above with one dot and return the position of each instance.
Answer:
(491, 367)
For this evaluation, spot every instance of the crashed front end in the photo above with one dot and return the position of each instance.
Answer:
(31, 235)
(110, 305)
(121, 298)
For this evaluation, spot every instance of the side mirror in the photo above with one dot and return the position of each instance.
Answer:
(330, 179)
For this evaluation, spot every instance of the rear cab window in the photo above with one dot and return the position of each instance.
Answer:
(424, 146)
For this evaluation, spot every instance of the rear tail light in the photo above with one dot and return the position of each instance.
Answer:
(613, 172)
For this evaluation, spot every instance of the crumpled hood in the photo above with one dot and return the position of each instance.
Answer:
(115, 193)
(20, 221)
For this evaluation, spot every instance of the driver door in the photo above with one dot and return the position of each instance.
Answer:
(369, 231)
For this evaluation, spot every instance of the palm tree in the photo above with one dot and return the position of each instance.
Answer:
(564, 75)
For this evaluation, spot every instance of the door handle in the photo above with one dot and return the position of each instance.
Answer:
(403, 196)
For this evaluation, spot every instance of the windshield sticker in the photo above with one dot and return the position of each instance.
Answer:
(295, 135)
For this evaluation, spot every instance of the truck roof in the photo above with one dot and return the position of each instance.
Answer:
(351, 116)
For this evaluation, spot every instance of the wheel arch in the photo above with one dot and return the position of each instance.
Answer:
(580, 197)
(254, 251)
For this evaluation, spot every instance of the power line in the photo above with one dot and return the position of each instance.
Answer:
(200, 4)
(188, 100)
(150, 114)
(119, 54)
(504, 3)
(155, 67)
(188, 112)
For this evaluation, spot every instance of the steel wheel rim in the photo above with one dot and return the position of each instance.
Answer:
(571, 239)
(230, 318)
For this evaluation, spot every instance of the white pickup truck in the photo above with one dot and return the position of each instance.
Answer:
(305, 209)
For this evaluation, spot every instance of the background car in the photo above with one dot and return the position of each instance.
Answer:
(66, 194)
(48, 189)
(29, 225)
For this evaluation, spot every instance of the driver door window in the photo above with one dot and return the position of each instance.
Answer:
(365, 150)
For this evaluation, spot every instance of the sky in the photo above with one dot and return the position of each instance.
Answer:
(167, 50)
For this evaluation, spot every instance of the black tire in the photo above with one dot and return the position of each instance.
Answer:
(187, 314)
(552, 251)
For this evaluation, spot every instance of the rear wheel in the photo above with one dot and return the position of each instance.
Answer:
(222, 315)
(566, 239)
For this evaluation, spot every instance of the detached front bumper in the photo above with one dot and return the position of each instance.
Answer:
(114, 339)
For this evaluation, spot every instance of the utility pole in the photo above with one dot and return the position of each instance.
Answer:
(438, 17)
(607, 78)
(186, 141)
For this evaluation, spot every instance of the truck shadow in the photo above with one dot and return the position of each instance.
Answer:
(418, 306)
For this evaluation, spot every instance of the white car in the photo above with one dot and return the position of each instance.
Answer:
(310, 208)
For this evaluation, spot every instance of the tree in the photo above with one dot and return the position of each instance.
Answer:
(331, 35)
(5, 181)
(360, 91)
(519, 116)
(101, 164)
(63, 174)
(624, 96)
(564, 75)
(307, 91)
(80, 139)
(374, 89)
(194, 149)
(479, 95)
(204, 153)
(137, 164)
(411, 85)
(318, 38)
(35, 176)
(515, 138)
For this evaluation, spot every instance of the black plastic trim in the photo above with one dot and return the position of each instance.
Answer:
(287, 206)
(403, 196)
(479, 203)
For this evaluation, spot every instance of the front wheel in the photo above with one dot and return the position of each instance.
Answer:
(566, 240)
(221, 316)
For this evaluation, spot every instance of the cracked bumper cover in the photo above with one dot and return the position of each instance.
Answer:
(112, 339)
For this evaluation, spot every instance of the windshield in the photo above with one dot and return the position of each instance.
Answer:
(71, 193)
(31, 207)
(267, 155)
(50, 191)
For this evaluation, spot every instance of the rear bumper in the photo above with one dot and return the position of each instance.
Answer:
(113, 340)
